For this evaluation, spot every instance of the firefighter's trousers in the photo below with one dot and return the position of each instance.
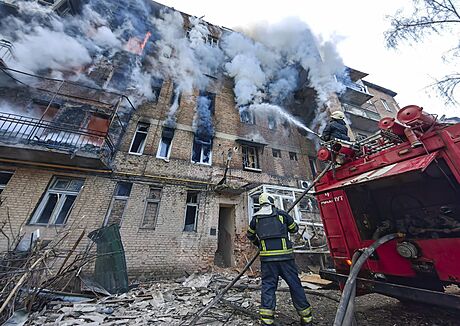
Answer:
(271, 271)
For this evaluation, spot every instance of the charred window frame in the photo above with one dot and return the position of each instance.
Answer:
(271, 122)
(5, 177)
(202, 151)
(191, 211)
(313, 166)
(293, 156)
(139, 139)
(118, 204)
(276, 153)
(57, 202)
(164, 148)
(157, 83)
(250, 158)
(212, 98)
(247, 117)
(152, 206)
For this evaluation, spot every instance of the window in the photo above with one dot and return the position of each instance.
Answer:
(201, 151)
(293, 156)
(212, 98)
(5, 177)
(119, 200)
(386, 105)
(271, 122)
(57, 202)
(152, 204)
(250, 158)
(276, 153)
(191, 211)
(157, 83)
(247, 117)
(313, 168)
(138, 143)
(176, 96)
(164, 149)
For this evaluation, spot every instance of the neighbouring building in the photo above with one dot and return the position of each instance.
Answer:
(76, 156)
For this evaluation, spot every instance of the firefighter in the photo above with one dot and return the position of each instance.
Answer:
(336, 128)
(269, 230)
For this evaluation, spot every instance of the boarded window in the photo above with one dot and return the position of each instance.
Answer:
(250, 158)
(5, 177)
(138, 143)
(276, 152)
(191, 211)
(57, 202)
(164, 148)
(118, 205)
(152, 204)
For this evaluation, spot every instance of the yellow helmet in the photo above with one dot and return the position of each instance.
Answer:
(339, 115)
(266, 198)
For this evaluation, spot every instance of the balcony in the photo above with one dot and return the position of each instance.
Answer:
(354, 93)
(59, 122)
(362, 118)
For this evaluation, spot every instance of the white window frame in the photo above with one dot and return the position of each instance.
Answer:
(151, 200)
(3, 186)
(386, 105)
(257, 160)
(62, 195)
(169, 150)
(116, 197)
(187, 205)
(141, 149)
(202, 155)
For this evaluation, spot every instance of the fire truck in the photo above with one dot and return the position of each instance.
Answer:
(404, 179)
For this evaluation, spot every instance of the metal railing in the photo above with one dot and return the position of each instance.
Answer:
(359, 111)
(17, 129)
(6, 50)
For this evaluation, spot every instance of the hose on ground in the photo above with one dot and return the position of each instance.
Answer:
(349, 291)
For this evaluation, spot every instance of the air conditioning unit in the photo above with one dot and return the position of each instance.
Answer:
(304, 184)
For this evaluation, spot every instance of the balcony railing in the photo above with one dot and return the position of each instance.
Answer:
(359, 111)
(17, 129)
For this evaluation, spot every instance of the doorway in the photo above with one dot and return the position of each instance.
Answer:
(226, 236)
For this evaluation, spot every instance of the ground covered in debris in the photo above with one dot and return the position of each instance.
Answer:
(176, 303)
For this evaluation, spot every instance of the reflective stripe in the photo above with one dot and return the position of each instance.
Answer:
(283, 240)
(281, 218)
(307, 319)
(264, 248)
(275, 252)
(251, 230)
(292, 226)
(266, 312)
(267, 321)
(305, 313)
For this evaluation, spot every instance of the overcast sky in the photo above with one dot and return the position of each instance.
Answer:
(357, 26)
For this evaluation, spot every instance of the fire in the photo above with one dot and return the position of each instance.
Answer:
(136, 45)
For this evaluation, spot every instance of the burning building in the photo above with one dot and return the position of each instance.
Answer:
(134, 114)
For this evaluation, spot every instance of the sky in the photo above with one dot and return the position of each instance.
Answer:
(356, 27)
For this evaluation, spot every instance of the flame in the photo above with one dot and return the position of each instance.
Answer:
(136, 45)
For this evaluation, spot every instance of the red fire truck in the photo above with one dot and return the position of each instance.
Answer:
(404, 179)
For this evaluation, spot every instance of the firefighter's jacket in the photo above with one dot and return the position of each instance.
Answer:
(335, 129)
(269, 230)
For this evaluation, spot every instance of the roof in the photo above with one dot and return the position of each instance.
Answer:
(355, 74)
(380, 88)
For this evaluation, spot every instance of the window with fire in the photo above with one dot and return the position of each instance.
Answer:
(422, 205)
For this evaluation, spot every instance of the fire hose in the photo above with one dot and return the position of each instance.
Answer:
(219, 296)
(345, 310)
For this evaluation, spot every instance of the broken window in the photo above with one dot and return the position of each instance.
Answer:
(271, 122)
(157, 83)
(5, 177)
(138, 143)
(250, 158)
(191, 211)
(152, 204)
(293, 156)
(247, 117)
(57, 202)
(164, 149)
(276, 152)
(119, 200)
(201, 152)
(313, 168)
(212, 98)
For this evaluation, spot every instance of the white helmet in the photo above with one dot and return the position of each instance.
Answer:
(266, 198)
(338, 115)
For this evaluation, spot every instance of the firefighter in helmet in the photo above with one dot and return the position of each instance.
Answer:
(336, 128)
(269, 230)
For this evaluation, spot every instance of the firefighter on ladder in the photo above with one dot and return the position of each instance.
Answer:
(269, 230)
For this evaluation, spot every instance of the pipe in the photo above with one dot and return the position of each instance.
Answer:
(350, 285)
(47, 165)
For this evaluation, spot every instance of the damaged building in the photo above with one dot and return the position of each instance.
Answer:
(178, 169)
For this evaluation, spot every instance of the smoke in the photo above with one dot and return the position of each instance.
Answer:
(202, 122)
